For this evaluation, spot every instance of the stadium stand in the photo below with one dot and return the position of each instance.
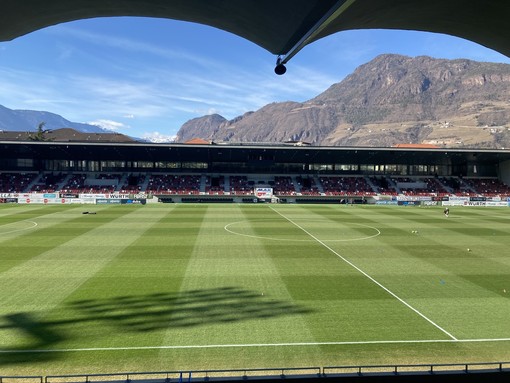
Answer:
(422, 186)
(239, 185)
(308, 186)
(15, 182)
(244, 185)
(48, 183)
(91, 183)
(215, 185)
(382, 185)
(488, 187)
(284, 186)
(343, 186)
(132, 183)
(173, 184)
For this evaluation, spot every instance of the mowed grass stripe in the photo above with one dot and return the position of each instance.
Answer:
(243, 300)
(16, 212)
(22, 216)
(42, 282)
(475, 282)
(55, 226)
(465, 250)
(135, 295)
(291, 317)
(437, 274)
(433, 247)
(200, 305)
(375, 293)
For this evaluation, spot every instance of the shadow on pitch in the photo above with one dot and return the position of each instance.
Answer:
(42, 335)
(142, 314)
(188, 309)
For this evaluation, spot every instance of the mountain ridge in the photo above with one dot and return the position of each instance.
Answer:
(392, 99)
(20, 120)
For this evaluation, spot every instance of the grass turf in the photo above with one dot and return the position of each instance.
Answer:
(182, 287)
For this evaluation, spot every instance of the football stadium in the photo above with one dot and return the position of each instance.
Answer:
(140, 262)
(247, 260)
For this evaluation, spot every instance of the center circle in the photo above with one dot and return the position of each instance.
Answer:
(293, 231)
(14, 227)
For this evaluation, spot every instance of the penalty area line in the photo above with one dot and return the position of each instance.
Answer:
(267, 345)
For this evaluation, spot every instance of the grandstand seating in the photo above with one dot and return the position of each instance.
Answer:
(242, 185)
(82, 183)
(132, 184)
(48, 183)
(215, 188)
(453, 184)
(283, 186)
(174, 184)
(308, 186)
(382, 186)
(239, 185)
(421, 186)
(488, 187)
(343, 186)
(75, 184)
(427, 186)
(15, 182)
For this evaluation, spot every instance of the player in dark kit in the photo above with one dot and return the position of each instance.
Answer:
(446, 212)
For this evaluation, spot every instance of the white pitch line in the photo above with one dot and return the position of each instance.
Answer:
(296, 344)
(227, 228)
(34, 224)
(366, 275)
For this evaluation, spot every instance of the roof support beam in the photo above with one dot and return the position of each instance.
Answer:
(333, 13)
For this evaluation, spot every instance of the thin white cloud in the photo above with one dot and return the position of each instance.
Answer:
(114, 126)
(128, 44)
(21, 89)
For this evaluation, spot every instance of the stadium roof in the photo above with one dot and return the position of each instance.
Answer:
(246, 153)
(282, 27)
(416, 146)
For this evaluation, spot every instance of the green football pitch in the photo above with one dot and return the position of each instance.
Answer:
(227, 286)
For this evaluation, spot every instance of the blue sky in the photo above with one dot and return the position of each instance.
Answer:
(146, 77)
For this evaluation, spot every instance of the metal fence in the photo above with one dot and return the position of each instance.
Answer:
(21, 379)
(416, 369)
(188, 376)
(266, 373)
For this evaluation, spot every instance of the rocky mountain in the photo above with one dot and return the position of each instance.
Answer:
(29, 120)
(203, 127)
(391, 100)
